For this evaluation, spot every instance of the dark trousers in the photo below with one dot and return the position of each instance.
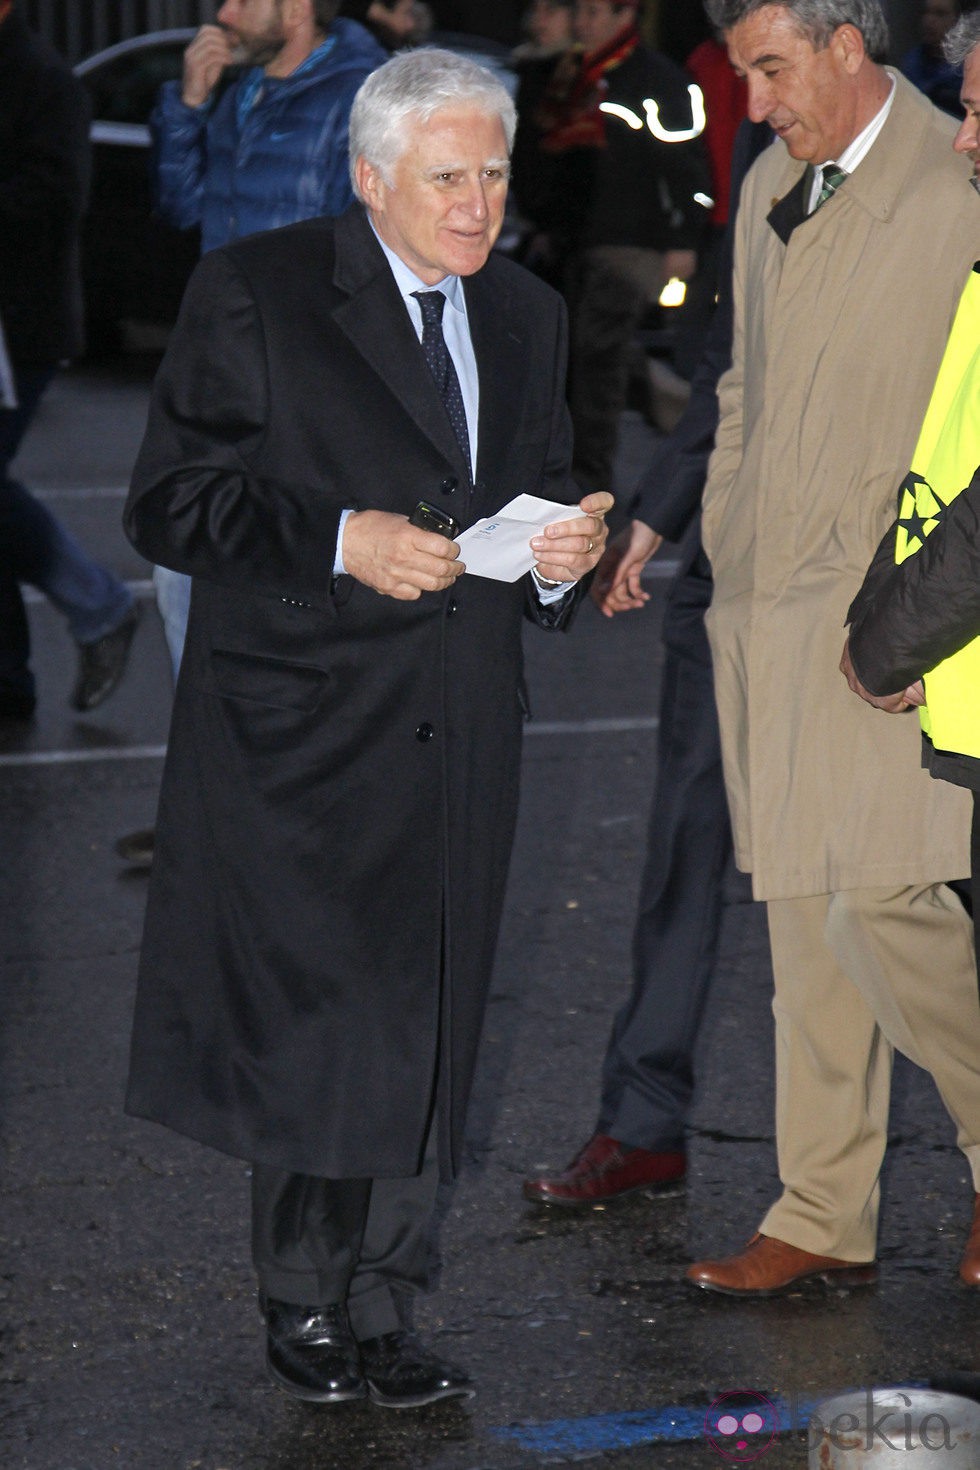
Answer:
(648, 1076)
(369, 1242)
(609, 290)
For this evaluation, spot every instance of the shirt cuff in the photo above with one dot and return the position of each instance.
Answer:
(339, 570)
(549, 592)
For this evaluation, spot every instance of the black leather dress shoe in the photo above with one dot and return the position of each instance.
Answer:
(136, 848)
(402, 1374)
(102, 664)
(311, 1352)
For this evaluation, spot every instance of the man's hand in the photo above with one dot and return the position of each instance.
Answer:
(568, 550)
(892, 704)
(399, 19)
(617, 582)
(397, 559)
(204, 60)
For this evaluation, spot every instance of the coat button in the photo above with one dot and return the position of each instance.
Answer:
(448, 485)
(424, 732)
(450, 607)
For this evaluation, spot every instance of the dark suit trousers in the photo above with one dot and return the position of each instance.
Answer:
(648, 1075)
(369, 1242)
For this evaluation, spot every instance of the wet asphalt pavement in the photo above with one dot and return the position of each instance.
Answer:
(130, 1335)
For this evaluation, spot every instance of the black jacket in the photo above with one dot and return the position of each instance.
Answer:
(643, 190)
(340, 790)
(44, 177)
(907, 618)
(634, 190)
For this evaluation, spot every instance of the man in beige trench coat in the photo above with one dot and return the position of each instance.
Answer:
(845, 290)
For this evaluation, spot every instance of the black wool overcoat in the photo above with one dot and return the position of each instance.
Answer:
(340, 790)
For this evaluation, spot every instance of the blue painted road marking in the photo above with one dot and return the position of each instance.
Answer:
(668, 1425)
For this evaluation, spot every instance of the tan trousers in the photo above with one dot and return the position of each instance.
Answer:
(856, 974)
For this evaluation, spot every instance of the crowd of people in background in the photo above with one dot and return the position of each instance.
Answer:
(816, 203)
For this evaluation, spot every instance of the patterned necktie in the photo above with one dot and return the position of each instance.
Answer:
(441, 366)
(833, 177)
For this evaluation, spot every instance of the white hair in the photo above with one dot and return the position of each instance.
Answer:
(962, 39)
(412, 86)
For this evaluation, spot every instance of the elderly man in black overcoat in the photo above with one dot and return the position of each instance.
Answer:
(340, 791)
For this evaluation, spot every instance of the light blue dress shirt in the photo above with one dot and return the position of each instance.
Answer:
(456, 330)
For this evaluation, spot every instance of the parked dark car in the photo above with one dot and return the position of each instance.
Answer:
(135, 266)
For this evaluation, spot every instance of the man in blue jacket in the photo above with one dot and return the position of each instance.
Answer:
(271, 148)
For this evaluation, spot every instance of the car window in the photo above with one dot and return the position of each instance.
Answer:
(125, 89)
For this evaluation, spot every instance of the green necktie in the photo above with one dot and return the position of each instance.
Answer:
(833, 177)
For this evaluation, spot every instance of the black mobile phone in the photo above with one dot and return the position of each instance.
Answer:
(430, 518)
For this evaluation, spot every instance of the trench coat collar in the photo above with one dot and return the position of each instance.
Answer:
(881, 177)
(375, 321)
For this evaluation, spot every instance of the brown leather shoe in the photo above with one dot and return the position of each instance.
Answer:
(970, 1264)
(604, 1170)
(767, 1267)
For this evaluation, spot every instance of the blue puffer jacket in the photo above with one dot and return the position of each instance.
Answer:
(286, 160)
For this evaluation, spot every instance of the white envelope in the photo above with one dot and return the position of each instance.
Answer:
(498, 546)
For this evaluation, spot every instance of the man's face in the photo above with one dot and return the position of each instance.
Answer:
(967, 140)
(255, 28)
(936, 19)
(400, 19)
(444, 208)
(598, 21)
(805, 95)
(550, 24)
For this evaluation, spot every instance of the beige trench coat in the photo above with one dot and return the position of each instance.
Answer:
(838, 338)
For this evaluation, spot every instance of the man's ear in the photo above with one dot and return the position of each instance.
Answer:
(370, 184)
(847, 43)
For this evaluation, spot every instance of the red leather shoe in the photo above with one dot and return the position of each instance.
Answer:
(604, 1170)
(768, 1267)
(970, 1264)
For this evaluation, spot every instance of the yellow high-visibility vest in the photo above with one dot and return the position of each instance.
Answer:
(945, 461)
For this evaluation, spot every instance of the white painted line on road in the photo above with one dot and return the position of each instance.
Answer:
(142, 589)
(591, 727)
(72, 757)
(157, 752)
(81, 492)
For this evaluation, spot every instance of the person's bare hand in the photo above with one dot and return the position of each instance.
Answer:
(616, 587)
(892, 704)
(204, 60)
(400, 20)
(397, 559)
(567, 550)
